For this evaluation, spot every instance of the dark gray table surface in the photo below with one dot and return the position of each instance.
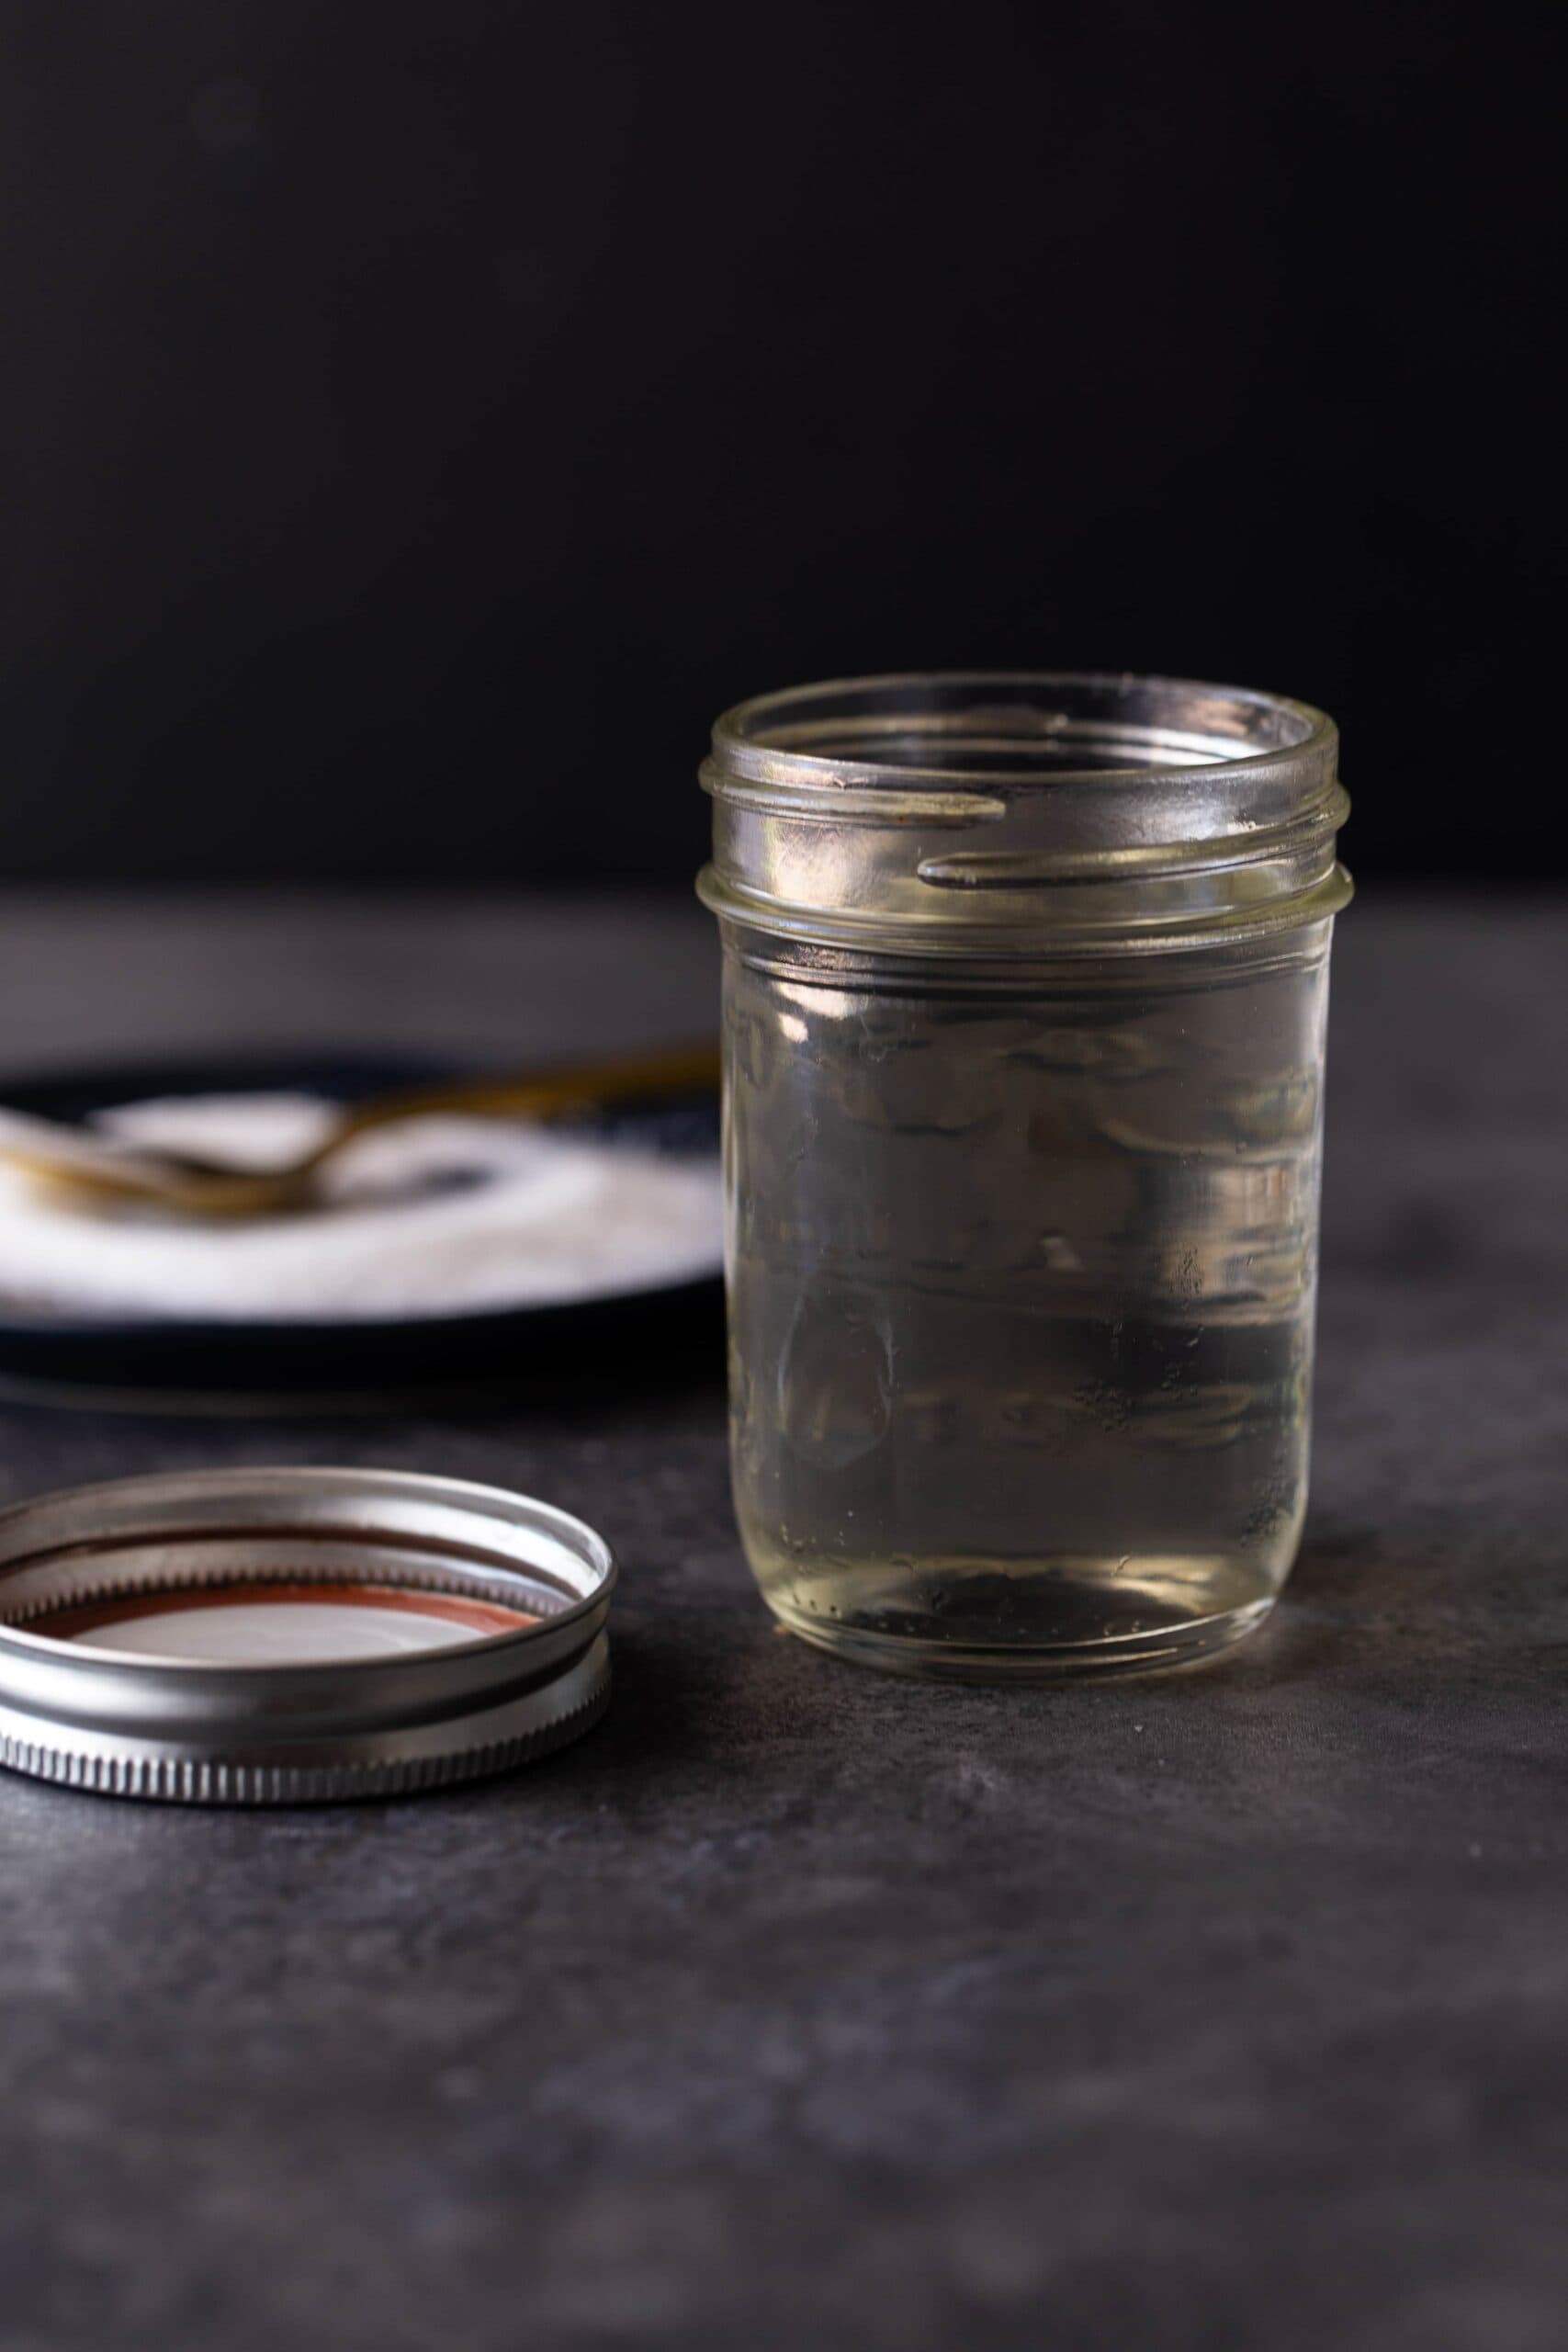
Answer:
(798, 2007)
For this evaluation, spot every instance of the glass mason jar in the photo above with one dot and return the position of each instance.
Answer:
(1025, 986)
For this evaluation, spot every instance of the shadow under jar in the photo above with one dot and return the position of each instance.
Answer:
(1025, 988)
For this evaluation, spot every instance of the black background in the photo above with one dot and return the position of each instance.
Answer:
(420, 418)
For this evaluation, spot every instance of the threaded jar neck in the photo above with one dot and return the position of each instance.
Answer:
(971, 812)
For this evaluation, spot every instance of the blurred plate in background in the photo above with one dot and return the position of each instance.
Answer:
(39, 1344)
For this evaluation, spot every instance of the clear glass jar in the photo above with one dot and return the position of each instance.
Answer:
(1025, 986)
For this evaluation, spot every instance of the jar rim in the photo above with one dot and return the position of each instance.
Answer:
(1127, 726)
(1029, 812)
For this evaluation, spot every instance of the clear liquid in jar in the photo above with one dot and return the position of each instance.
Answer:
(1021, 1297)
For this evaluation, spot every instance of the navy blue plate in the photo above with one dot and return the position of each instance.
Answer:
(529, 1344)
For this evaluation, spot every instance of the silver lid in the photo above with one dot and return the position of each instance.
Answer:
(287, 1635)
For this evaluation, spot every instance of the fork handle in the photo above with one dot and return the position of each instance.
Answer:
(542, 1094)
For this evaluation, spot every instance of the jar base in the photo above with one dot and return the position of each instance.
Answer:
(1063, 1658)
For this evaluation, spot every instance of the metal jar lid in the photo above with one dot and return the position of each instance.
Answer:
(287, 1636)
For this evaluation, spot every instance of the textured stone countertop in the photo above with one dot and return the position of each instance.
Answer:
(799, 2007)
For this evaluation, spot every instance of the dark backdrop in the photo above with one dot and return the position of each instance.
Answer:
(420, 417)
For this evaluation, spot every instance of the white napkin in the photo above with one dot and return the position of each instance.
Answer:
(433, 1215)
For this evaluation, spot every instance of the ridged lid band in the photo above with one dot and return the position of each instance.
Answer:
(131, 1698)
